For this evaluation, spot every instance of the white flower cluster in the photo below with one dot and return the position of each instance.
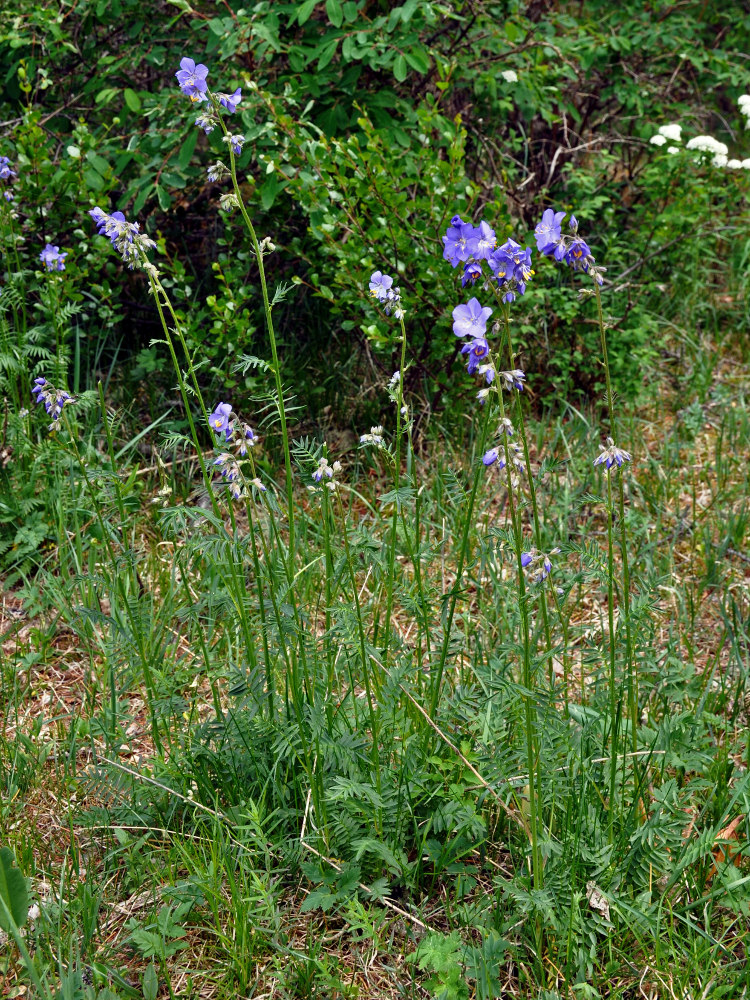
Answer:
(672, 132)
(509, 75)
(707, 144)
(719, 151)
(374, 437)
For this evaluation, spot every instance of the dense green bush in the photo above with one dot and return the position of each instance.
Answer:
(369, 125)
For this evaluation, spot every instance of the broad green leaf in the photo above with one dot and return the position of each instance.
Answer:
(14, 891)
(335, 12)
(132, 99)
(105, 96)
(187, 149)
(418, 59)
(327, 54)
(306, 10)
(400, 68)
(150, 983)
(164, 198)
(142, 197)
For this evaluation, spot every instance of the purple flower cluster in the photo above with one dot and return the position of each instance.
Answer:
(126, 237)
(192, 79)
(52, 259)
(571, 250)
(53, 399)
(611, 455)
(5, 174)
(230, 472)
(382, 290)
(537, 564)
(470, 320)
(5, 170)
(225, 421)
(326, 473)
(509, 264)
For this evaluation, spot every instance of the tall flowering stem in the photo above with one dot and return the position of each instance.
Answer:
(631, 665)
(532, 488)
(463, 552)
(233, 149)
(613, 713)
(397, 483)
(106, 533)
(532, 752)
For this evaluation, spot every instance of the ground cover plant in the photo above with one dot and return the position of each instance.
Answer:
(447, 703)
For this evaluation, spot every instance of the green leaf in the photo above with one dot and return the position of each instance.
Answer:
(132, 100)
(150, 983)
(142, 197)
(97, 162)
(14, 891)
(93, 179)
(105, 96)
(418, 59)
(163, 197)
(327, 54)
(335, 12)
(400, 68)
(187, 149)
(306, 10)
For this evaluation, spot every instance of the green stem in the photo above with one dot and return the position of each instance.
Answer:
(612, 658)
(390, 588)
(271, 336)
(630, 659)
(120, 585)
(462, 555)
(365, 663)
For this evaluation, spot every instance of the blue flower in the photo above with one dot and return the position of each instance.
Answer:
(192, 79)
(126, 237)
(382, 290)
(380, 286)
(220, 420)
(512, 379)
(578, 255)
(472, 271)
(230, 101)
(52, 259)
(235, 141)
(611, 455)
(548, 233)
(470, 319)
(482, 242)
(477, 350)
(456, 240)
(5, 172)
(8, 196)
(53, 399)
(247, 440)
(538, 564)
(207, 122)
(492, 456)
(502, 265)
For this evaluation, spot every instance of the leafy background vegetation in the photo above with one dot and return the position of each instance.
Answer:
(175, 833)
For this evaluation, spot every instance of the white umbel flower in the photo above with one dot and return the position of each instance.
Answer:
(673, 132)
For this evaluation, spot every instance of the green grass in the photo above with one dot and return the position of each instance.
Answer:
(185, 834)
